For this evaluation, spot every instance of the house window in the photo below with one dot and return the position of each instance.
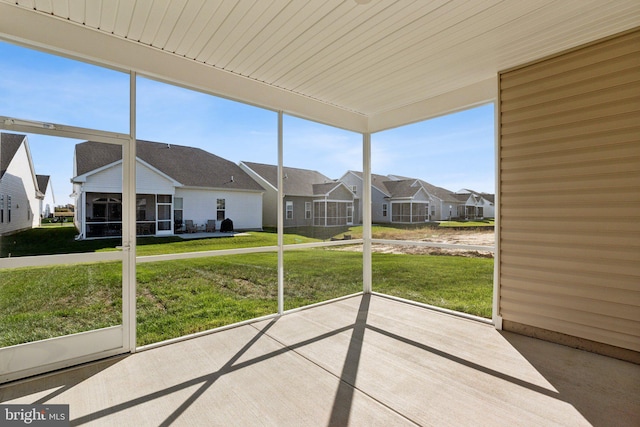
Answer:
(289, 210)
(177, 213)
(220, 209)
(1, 208)
(385, 208)
(354, 188)
(307, 210)
(8, 208)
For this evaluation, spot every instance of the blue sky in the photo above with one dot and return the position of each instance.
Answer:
(454, 151)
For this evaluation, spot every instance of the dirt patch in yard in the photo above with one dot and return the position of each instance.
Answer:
(444, 236)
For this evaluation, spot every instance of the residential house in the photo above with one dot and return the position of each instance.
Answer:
(443, 204)
(311, 199)
(46, 188)
(174, 183)
(379, 195)
(400, 199)
(476, 205)
(20, 196)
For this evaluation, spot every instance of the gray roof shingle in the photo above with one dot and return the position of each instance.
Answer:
(43, 183)
(190, 166)
(296, 182)
(402, 189)
(9, 145)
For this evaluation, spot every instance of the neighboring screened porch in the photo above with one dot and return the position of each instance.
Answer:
(332, 213)
(409, 212)
(103, 216)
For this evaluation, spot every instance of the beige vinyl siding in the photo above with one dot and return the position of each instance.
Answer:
(570, 193)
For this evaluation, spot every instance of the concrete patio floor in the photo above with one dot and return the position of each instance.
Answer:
(361, 361)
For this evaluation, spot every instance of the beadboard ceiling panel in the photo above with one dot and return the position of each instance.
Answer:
(370, 60)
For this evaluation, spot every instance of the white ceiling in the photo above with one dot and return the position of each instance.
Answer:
(363, 67)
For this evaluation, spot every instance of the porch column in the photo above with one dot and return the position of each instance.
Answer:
(366, 214)
(280, 216)
(129, 224)
(411, 211)
(326, 211)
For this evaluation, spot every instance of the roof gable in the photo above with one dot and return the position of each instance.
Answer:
(402, 189)
(43, 183)
(9, 145)
(377, 181)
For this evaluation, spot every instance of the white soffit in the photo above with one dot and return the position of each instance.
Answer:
(363, 67)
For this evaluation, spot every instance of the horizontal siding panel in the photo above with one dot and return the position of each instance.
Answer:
(600, 111)
(611, 287)
(540, 201)
(582, 81)
(604, 52)
(592, 182)
(610, 139)
(511, 115)
(602, 335)
(557, 127)
(597, 237)
(575, 131)
(554, 260)
(558, 301)
(585, 319)
(568, 156)
(581, 167)
(576, 251)
(577, 224)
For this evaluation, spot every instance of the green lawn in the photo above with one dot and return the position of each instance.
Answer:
(61, 240)
(185, 296)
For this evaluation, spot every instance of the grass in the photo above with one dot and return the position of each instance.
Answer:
(44, 302)
(177, 298)
(61, 240)
(457, 283)
(186, 296)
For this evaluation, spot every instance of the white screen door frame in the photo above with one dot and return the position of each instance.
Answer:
(23, 360)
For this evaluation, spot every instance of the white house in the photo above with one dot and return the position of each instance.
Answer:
(20, 196)
(311, 199)
(47, 202)
(174, 184)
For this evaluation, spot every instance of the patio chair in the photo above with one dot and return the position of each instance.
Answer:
(191, 227)
(211, 225)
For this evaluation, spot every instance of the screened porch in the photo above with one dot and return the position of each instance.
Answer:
(154, 215)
